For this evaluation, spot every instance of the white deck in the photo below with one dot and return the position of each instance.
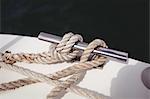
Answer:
(116, 80)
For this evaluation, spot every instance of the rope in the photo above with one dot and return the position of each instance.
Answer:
(57, 53)
(75, 89)
(52, 56)
(67, 83)
(16, 84)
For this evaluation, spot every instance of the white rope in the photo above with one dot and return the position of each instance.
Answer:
(58, 53)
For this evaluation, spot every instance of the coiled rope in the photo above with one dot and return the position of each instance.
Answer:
(58, 53)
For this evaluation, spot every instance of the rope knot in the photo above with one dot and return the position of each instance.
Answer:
(64, 50)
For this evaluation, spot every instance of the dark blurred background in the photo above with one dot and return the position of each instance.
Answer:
(123, 24)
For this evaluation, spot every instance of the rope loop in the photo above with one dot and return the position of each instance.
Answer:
(64, 50)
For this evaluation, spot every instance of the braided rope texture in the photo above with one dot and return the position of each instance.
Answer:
(62, 52)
